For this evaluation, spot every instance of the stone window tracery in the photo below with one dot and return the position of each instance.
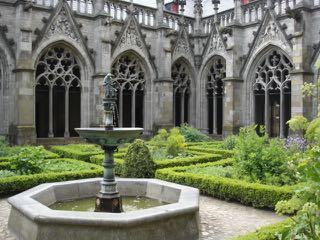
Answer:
(181, 87)
(130, 79)
(216, 72)
(58, 85)
(272, 90)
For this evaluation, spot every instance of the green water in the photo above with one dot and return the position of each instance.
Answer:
(128, 203)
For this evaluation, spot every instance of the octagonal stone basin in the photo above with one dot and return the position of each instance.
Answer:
(32, 219)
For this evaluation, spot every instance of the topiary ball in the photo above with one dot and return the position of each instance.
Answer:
(138, 162)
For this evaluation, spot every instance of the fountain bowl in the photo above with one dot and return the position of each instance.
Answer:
(114, 137)
(32, 219)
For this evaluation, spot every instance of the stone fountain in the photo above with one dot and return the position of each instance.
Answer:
(109, 138)
(32, 216)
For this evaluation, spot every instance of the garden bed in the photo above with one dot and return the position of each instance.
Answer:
(54, 170)
(15, 150)
(165, 163)
(83, 152)
(252, 194)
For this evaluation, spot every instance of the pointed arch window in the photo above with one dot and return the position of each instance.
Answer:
(215, 89)
(272, 93)
(58, 93)
(181, 92)
(130, 79)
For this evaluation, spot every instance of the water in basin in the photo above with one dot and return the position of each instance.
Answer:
(88, 204)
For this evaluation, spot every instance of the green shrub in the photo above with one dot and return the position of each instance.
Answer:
(270, 232)
(160, 138)
(298, 123)
(20, 183)
(6, 173)
(138, 162)
(192, 134)
(262, 160)
(28, 161)
(165, 163)
(230, 142)
(175, 143)
(253, 194)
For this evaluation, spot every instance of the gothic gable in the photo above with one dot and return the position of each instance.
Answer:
(182, 46)
(269, 32)
(131, 36)
(215, 43)
(62, 23)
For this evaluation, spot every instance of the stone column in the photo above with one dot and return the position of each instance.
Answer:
(302, 49)
(23, 130)
(163, 85)
(198, 10)
(231, 105)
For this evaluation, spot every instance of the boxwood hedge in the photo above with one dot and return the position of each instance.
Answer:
(20, 183)
(253, 194)
(83, 152)
(267, 232)
(165, 163)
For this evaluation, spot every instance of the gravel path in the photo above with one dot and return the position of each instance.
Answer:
(220, 220)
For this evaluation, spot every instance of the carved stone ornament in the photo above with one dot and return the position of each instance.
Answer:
(182, 45)
(271, 32)
(131, 37)
(216, 43)
(62, 25)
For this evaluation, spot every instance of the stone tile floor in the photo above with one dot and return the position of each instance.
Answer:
(220, 220)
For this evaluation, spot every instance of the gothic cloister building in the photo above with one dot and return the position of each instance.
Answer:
(237, 67)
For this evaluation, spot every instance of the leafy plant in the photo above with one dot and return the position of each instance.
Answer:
(298, 123)
(262, 160)
(138, 162)
(230, 142)
(192, 134)
(175, 143)
(307, 221)
(6, 173)
(160, 139)
(28, 160)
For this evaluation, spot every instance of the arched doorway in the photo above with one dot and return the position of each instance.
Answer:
(272, 93)
(216, 71)
(181, 92)
(58, 93)
(130, 79)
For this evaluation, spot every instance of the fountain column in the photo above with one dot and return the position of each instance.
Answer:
(108, 199)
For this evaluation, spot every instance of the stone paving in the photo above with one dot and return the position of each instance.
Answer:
(220, 220)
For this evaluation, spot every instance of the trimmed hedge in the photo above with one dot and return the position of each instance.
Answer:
(20, 183)
(165, 163)
(210, 149)
(267, 232)
(252, 194)
(81, 152)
